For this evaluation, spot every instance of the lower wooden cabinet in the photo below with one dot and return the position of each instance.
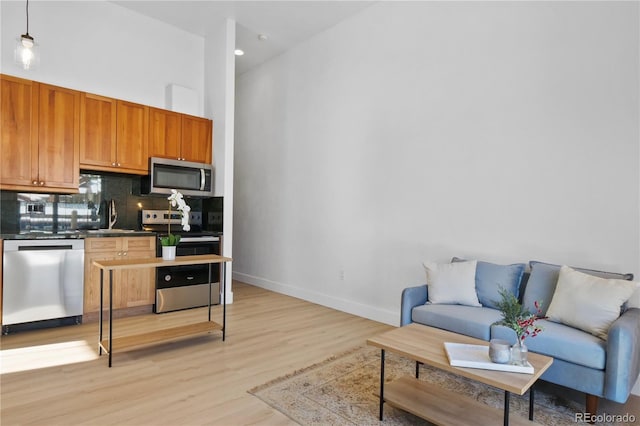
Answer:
(135, 287)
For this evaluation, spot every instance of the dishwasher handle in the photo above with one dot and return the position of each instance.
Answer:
(43, 245)
(41, 248)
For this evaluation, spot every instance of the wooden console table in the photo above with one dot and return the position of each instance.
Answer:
(121, 343)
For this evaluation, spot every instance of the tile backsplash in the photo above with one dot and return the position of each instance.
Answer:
(22, 212)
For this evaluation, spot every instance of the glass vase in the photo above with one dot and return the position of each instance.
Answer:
(519, 353)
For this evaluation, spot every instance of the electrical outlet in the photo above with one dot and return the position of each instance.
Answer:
(195, 218)
(214, 218)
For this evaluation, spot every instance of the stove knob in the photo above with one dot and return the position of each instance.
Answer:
(155, 216)
(167, 277)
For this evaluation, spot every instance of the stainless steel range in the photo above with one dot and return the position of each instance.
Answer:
(184, 287)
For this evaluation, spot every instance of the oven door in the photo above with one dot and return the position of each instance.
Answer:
(184, 287)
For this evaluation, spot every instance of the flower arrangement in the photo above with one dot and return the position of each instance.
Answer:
(176, 200)
(517, 318)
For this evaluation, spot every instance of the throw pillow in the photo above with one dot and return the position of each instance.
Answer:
(490, 277)
(544, 277)
(587, 302)
(452, 283)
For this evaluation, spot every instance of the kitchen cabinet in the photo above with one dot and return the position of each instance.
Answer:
(97, 131)
(136, 287)
(114, 135)
(179, 136)
(40, 137)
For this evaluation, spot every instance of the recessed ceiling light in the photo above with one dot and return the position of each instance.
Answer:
(262, 37)
(239, 52)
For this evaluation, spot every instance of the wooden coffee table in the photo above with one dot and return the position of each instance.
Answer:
(425, 345)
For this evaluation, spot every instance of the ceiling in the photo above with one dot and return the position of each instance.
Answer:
(284, 23)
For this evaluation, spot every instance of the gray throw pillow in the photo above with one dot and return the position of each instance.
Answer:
(490, 277)
(543, 280)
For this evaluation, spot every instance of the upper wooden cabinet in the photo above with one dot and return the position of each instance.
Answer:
(114, 135)
(47, 133)
(179, 136)
(40, 137)
(165, 134)
(97, 131)
(196, 139)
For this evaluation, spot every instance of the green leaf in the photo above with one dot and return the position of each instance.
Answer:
(170, 240)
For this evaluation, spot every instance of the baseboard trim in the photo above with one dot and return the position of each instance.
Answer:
(354, 308)
(359, 309)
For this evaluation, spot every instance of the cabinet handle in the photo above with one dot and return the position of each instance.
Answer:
(113, 164)
(35, 182)
(119, 253)
(41, 183)
(118, 164)
(125, 253)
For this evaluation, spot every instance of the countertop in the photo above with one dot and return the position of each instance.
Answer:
(80, 234)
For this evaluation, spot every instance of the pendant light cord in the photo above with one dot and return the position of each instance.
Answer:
(27, 17)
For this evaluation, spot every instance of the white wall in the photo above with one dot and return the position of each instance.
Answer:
(99, 47)
(220, 89)
(419, 130)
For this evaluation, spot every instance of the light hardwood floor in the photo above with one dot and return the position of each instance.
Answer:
(201, 380)
(55, 377)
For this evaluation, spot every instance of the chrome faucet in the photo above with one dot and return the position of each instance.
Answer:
(113, 214)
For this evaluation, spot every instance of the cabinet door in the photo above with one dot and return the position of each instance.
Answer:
(92, 281)
(98, 249)
(138, 285)
(165, 131)
(59, 137)
(133, 138)
(18, 127)
(197, 144)
(97, 131)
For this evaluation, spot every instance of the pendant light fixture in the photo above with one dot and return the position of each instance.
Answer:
(26, 54)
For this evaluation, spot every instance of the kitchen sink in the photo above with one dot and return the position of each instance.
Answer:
(110, 231)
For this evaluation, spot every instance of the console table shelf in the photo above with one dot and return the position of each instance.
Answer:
(442, 407)
(109, 344)
(125, 342)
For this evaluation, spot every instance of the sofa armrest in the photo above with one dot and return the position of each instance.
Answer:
(411, 297)
(623, 356)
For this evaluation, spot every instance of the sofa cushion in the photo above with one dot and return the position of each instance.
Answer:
(452, 283)
(468, 320)
(587, 302)
(561, 342)
(490, 277)
(543, 279)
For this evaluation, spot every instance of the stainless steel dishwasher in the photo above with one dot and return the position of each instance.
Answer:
(42, 280)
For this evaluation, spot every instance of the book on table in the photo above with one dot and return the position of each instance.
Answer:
(477, 356)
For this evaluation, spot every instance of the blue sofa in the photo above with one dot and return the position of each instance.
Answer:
(599, 368)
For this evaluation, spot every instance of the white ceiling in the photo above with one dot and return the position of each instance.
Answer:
(284, 23)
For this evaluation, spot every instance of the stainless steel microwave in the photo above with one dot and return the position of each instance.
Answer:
(191, 179)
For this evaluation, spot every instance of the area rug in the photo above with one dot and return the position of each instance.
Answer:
(344, 389)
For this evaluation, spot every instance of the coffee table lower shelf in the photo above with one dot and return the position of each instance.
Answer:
(442, 407)
(124, 342)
